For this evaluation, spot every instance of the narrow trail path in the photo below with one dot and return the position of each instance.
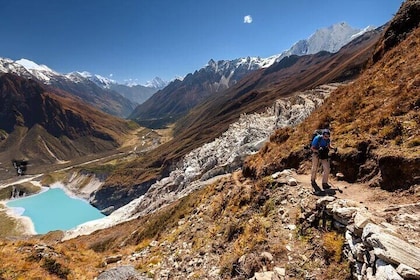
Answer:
(375, 199)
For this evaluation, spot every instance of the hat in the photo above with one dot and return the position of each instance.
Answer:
(326, 131)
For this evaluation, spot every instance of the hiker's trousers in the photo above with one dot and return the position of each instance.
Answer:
(325, 168)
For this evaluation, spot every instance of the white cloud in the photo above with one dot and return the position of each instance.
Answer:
(111, 75)
(247, 19)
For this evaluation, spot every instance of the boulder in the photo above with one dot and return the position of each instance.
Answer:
(390, 248)
(385, 271)
(121, 273)
(408, 272)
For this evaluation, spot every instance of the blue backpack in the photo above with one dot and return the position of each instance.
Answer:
(314, 134)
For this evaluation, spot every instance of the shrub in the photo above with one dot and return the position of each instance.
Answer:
(333, 246)
(56, 268)
(280, 136)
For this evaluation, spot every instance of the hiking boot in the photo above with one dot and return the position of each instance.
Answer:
(319, 193)
(330, 192)
(315, 186)
(325, 186)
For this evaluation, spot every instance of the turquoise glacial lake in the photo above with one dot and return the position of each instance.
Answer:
(54, 210)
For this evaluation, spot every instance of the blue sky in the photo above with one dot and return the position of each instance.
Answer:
(141, 39)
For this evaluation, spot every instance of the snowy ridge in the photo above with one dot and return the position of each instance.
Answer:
(29, 69)
(329, 39)
(9, 66)
(41, 72)
(97, 79)
(222, 156)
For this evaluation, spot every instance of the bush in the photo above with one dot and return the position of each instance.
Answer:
(333, 246)
(56, 268)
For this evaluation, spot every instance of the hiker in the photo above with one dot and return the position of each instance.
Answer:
(320, 146)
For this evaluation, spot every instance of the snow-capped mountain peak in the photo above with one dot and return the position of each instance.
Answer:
(157, 83)
(97, 79)
(329, 39)
(30, 65)
(41, 72)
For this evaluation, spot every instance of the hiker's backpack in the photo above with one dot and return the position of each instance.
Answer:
(314, 134)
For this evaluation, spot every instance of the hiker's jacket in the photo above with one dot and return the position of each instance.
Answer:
(319, 141)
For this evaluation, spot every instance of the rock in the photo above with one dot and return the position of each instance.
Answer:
(112, 259)
(121, 273)
(385, 271)
(280, 271)
(391, 248)
(408, 272)
(276, 175)
(267, 275)
(340, 176)
(344, 214)
(292, 182)
(360, 220)
(323, 201)
(291, 227)
(267, 256)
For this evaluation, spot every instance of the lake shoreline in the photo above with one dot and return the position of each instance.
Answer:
(25, 224)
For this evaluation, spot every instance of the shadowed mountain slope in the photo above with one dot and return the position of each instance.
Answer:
(47, 127)
(107, 100)
(175, 100)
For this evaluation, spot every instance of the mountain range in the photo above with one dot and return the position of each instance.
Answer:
(121, 100)
(181, 96)
(45, 125)
(102, 93)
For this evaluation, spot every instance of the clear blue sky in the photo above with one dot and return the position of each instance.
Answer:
(141, 39)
